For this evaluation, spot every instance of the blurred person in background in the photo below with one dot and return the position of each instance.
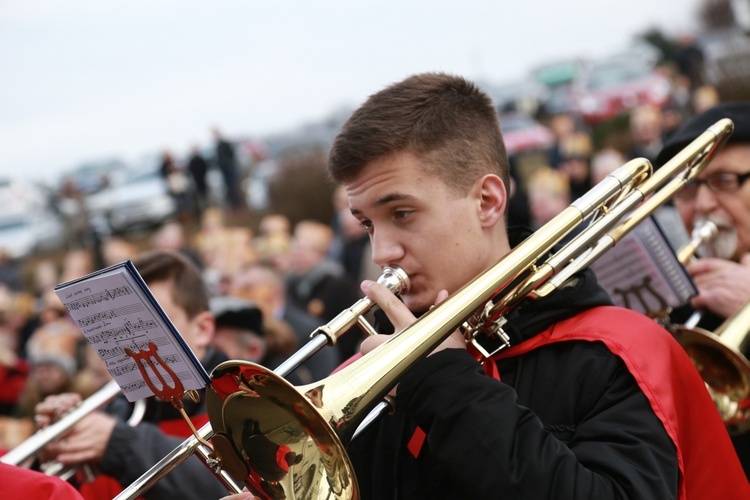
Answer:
(178, 184)
(549, 194)
(356, 250)
(123, 453)
(170, 236)
(318, 284)
(11, 272)
(672, 118)
(646, 132)
(704, 98)
(223, 249)
(239, 329)
(351, 244)
(604, 162)
(211, 235)
(226, 160)
(45, 277)
(14, 376)
(53, 351)
(116, 250)
(70, 203)
(575, 163)
(76, 263)
(562, 126)
(264, 285)
(721, 194)
(51, 309)
(690, 59)
(197, 167)
(608, 160)
(18, 319)
(274, 239)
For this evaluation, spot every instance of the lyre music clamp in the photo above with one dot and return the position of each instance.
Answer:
(145, 358)
(170, 393)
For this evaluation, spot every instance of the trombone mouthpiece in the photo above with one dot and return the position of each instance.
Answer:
(395, 279)
(705, 232)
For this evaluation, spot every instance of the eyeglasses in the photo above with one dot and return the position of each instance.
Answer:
(718, 182)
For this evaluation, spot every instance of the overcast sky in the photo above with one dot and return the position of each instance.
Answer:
(86, 79)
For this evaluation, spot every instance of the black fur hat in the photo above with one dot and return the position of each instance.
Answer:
(738, 112)
(237, 313)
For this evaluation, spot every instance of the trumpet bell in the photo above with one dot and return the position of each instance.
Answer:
(275, 437)
(724, 370)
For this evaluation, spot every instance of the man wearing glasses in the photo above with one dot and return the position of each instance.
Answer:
(720, 194)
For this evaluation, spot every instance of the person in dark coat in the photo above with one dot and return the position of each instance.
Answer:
(226, 160)
(197, 166)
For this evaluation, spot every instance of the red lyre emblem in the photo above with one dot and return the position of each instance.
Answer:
(147, 357)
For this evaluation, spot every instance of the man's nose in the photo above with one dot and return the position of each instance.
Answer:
(386, 249)
(705, 200)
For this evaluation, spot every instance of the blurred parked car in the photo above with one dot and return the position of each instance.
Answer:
(138, 200)
(18, 195)
(523, 96)
(522, 133)
(25, 233)
(609, 88)
(94, 176)
(559, 78)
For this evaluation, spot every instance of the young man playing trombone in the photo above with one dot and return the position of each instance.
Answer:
(590, 401)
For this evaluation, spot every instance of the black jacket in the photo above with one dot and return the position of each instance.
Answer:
(131, 451)
(566, 421)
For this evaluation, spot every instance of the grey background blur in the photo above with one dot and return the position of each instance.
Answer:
(84, 79)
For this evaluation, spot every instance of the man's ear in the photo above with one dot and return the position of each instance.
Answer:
(205, 324)
(255, 350)
(493, 199)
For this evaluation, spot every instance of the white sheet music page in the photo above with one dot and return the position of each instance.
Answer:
(642, 272)
(116, 311)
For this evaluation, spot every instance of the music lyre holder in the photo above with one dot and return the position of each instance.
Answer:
(169, 393)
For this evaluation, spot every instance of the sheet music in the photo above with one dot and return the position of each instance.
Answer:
(642, 272)
(116, 311)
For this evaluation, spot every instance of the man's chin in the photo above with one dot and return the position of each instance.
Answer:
(417, 305)
(723, 247)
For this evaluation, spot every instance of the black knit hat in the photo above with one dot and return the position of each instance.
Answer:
(738, 112)
(237, 313)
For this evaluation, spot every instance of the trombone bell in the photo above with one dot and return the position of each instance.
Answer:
(274, 437)
(718, 357)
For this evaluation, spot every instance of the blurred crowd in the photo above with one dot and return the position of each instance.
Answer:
(581, 155)
(272, 286)
(270, 289)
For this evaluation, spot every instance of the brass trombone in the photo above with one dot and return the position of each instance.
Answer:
(288, 442)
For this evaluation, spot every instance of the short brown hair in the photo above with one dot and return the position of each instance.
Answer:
(443, 119)
(188, 289)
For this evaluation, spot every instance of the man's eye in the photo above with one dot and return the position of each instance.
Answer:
(725, 181)
(402, 214)
(366, 224)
